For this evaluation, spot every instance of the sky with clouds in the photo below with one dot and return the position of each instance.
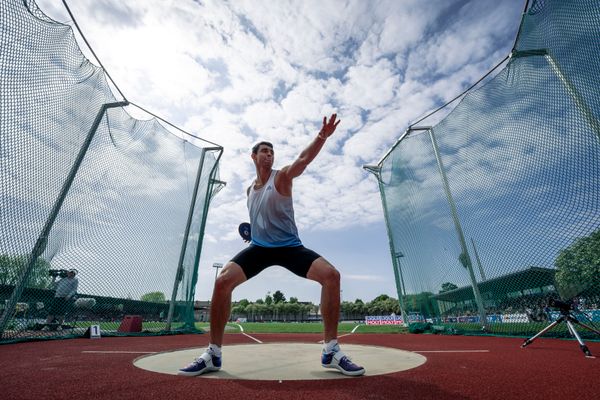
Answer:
(238, 72)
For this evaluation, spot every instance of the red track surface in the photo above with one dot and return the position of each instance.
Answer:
(548, 369)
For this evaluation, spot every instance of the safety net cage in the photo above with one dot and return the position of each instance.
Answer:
(493, 213)
(101, 215)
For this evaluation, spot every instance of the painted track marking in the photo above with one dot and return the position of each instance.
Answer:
(346, 334)
(245, 334)
(451, 351)
(118, 352)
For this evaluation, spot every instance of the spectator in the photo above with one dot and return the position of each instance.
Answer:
(65, 290)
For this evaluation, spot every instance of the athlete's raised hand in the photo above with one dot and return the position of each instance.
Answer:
(328, 126)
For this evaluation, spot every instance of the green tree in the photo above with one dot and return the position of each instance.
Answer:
(261, 310)
(251, 311)
(154, 297)
(390, 306)
(277, 311)
(358, 309)
(238, 310)
(293, 300)
(375, 307)
(294, 309)
(578, 266)
(381, 297)
(278, 297)
(346, 309)
(448, 286)
(269, 310)
(268, 300)
(11, 268)
(244, 302)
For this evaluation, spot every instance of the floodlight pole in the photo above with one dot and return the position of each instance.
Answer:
(376, 170)
(461, 238)
(42, 240)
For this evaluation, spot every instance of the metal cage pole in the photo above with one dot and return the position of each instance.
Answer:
(208, 197)
(376, 170)
(42, 240)
(465, 258)
(481, 271)
(186, 233)
(570, 88)
(179, 273)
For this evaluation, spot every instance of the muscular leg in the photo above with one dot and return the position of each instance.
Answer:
(220, 307)
(329, 278)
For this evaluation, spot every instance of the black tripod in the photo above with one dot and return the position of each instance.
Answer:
(571, 320)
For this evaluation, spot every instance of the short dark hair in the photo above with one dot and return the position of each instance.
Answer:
(257, 145)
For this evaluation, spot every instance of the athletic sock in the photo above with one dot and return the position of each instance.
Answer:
(214, 349)
(330, 346)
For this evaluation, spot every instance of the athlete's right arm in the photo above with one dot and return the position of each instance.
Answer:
(307, 155)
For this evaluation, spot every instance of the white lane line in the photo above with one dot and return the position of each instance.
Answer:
(346, 334)
(245, 334)
(451, 351)
(117, 352)
(253, 338)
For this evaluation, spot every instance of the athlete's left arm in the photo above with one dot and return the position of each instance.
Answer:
(307, 155)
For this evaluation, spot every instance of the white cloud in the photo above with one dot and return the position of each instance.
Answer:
(370, 87)
(234, 73)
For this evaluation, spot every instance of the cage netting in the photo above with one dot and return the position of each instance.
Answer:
(495, 210)
(85, 186)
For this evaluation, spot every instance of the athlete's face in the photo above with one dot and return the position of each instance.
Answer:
(264, 156)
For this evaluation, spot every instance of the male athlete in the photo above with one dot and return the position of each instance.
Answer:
(275, 241)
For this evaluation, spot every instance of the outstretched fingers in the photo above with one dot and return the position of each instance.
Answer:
(330, 126)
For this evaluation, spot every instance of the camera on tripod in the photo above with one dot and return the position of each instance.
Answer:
(58, 273)
(561, 305)
(567, 309)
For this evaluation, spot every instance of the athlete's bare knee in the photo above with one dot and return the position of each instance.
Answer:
(333, 277)
(229, 278)
(324, 273)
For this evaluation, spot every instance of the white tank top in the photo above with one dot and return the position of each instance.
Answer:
(272, 216)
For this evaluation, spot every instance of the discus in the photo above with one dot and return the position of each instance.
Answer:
(245, 231)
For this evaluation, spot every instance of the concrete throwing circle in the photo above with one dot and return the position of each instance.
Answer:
(284, 361)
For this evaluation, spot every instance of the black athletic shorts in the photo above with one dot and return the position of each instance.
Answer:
(254, 259)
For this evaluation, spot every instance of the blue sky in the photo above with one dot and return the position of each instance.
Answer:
(243, 71)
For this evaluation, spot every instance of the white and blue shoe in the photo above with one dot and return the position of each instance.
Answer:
(338, 360)
(207, 362)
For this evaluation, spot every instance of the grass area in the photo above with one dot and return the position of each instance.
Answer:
(307, 327)
(113, 326)
(514, 329)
